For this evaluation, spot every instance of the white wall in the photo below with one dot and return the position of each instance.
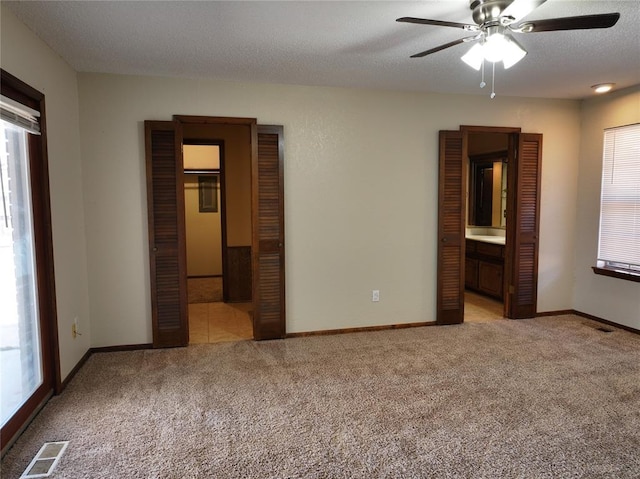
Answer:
(614, 299)
(28, 58)
(360, 189)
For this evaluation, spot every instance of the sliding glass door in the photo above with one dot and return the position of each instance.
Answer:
(29, 364)
(20, 351)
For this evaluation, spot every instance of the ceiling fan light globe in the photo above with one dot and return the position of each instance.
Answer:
(494, 46)
(513, 53)
(474, 57)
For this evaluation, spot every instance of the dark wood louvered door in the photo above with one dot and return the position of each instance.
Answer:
(523, 220)
(167, 252)
(523, 224)
(268, 235)
(451, 220)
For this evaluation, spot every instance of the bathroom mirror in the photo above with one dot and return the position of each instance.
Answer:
(488, 189)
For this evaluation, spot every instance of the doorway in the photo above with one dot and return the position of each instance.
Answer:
(28, 324)
(520, 273)
(485, 227)
(265, 225)
(216, 311)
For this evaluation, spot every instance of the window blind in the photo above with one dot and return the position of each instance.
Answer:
(619, 242)
(20, 115)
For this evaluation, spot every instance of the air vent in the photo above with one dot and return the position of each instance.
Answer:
(46, 460)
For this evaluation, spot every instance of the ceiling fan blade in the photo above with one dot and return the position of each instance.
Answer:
(442, 47)
(585, 22)
(439, 23)
(521, 8)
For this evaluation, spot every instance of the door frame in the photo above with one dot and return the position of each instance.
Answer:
(509, 251)
(223, 204)
(266, 160)
(451, 244)
(252, 123)
(15, 89)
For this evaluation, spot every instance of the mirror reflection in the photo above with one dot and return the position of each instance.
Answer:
(487, 180)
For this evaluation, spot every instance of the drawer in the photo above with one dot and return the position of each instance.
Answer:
(490, 249)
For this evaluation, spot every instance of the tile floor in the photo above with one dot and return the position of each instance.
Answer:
(219, 322)
(480, 309)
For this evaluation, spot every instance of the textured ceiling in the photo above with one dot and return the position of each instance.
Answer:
(332, 43)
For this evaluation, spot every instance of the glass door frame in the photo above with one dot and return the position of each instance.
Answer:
(15, 89)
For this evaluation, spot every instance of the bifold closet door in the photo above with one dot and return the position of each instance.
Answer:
(167, 253)
(523, 227)
(451, 219)
(269, 318)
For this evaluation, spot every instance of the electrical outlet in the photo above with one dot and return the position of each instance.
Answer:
(375, 295)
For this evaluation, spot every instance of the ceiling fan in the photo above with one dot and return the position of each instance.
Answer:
(496, 21)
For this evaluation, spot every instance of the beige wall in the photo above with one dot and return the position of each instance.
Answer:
(204, 236)
(360, 187)
(610, 298)
(26, 57)
(361, 193)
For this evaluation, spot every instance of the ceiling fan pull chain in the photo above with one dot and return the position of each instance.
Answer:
(482, 82)
(493, 82)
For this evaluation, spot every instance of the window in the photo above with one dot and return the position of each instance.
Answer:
(619, 241)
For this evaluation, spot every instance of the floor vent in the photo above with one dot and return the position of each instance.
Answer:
(605, 330)
(46, 460)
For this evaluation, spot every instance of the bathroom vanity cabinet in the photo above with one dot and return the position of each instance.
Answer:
(484, 268)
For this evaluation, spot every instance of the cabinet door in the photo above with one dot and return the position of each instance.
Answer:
(490, 278)
(471, 273)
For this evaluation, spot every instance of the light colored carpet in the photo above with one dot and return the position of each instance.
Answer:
(550, 397)
(204, 290)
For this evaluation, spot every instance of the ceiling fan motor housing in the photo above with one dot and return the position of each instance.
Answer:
(488, 10)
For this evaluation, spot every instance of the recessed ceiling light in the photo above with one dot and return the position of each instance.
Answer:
(602, 87)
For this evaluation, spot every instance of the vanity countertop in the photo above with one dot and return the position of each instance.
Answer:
(487, 239)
